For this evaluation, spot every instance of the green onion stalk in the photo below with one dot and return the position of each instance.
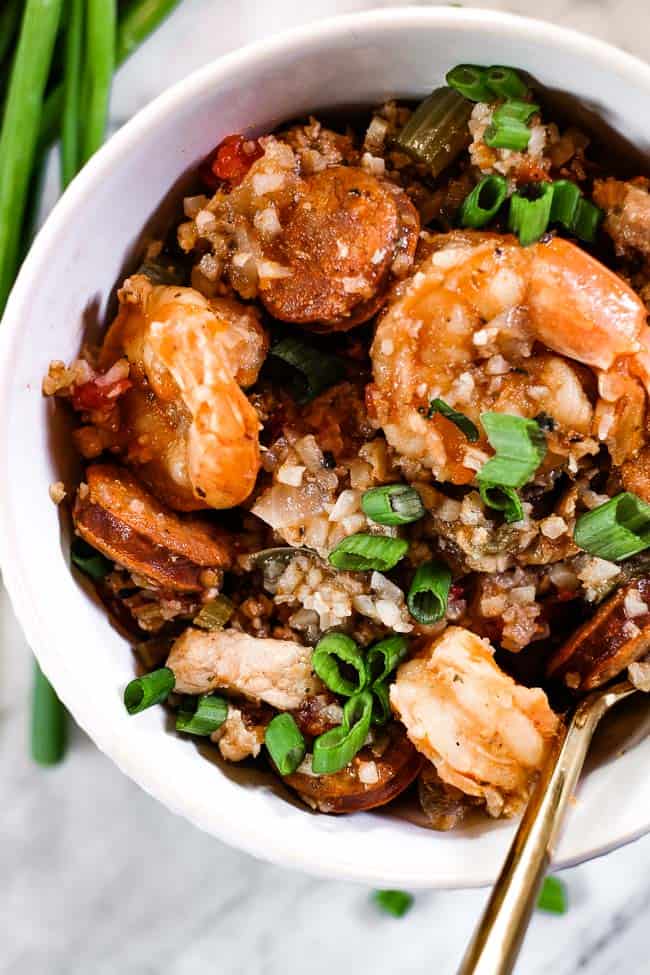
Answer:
(31, 121)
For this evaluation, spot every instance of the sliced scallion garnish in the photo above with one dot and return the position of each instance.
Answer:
(481, 206)
(381, 712)
(566, 197)
(201, 715)
(515, 110)
(502, 499)
(285, 743)
(462, 422)
(529, 218)
(509, 126)
(153, 688)
(317, 369)
(383, 657)
(335, 749)
(469, 80)
(334, 654)
(363, 553)
(427, 598)
(437, 132)
(570, 209)
(553, 896)
(88, 560)
(392, 504)
(505, 82)
(520, 447)
(393, 902)
(214, 614)
(586, 221)
(615, 530)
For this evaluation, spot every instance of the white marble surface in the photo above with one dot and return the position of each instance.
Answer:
(97, 878)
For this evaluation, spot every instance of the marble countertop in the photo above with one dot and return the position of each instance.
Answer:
(97, 878)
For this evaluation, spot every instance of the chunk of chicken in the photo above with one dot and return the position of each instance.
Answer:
(241, 735)
(485, 734)
(276, 671)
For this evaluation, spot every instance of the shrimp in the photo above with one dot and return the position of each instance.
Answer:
(185, 423)
(468, 328)
(486, 735)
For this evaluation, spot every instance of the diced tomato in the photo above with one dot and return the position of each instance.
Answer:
(456, 591)
(95, 395)
(230, 161)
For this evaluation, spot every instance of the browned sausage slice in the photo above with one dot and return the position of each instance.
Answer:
(369, 781)
(122, 520)
(340, 239)
(615, 636)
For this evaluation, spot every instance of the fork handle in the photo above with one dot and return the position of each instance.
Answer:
(496, 942)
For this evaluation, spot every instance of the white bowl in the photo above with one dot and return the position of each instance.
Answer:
(69, 277)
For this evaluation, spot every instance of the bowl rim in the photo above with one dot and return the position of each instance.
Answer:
(15, 575)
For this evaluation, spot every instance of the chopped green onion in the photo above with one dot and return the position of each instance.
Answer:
(553, 896)
(569, 208)
(335, 749)
(395, 902)
(520, 447)
(201, 715)
(153, 688)
(49, 722)
(214, 614)
(317, 369)
(392, 504)
(586, 221)
(615, 530)
(333, 650)
(502, 499)
(514, 111)
(470, 81)
(285, 743)
(462, 422)
(529, 219)
(362, 553)
(88, 560)
(383, 657)
(481, 206)
(505, 82)
(508, 134)
(437, 131)
(427, 598)
(381, 712)
(566, 197)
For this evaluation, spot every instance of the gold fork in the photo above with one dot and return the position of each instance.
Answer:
(498, 937)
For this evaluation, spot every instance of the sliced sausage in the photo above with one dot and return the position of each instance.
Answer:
(340, 239)
(615, 636)
(117, 516)
(369, 781)
(278, 672)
